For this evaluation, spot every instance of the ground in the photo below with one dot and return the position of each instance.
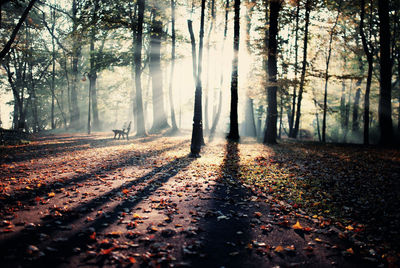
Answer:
(72, 200)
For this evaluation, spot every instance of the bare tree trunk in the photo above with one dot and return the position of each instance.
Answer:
(171, 99)
(368, 50)
(234, 126)
(355, 124)
(343, 107)
(197, 132)
(385, 92)
(76, 51)
(53, 72)
(303, 70)
(272, 116)
(296, 47)
(141, 130)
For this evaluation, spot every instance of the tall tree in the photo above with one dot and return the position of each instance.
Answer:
(249, 125)
(272, 87)
(156, 32)
(221, 80)
(197, 131)
(303, 69)
(93, 66)
(76, 53)
(140, 127)
(296, 61)
(385, 92)
(234, 126)
(173, 48)
(328, 59)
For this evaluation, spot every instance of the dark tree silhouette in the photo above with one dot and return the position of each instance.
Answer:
(197, 131)
(140, 127)
(234, 126)
(385, 92)
(272, 87)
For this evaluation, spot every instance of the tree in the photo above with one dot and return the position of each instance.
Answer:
(14, 33)
(234, 126)
(76, 53)
(173, 49)
(328, 58)
(218, 111)
(296, 53)
(272, 87)
(197, 131)
(303, 69)
(140, 127)
(385, 92)
(156, 32)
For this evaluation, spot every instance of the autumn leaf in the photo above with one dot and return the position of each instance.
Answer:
(257, 214)
(107, 251)
(93, 236)
(125, 191)
(132, 260)
(297, 226)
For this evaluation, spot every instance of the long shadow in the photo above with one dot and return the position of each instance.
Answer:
(28, 152)
(29, 195)
(16, 245)
(227, 230)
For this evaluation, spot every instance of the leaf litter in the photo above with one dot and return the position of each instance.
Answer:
(144, 202)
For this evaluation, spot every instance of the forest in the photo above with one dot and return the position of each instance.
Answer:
(221, 133)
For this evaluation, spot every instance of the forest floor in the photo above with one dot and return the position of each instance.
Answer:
(72, 200)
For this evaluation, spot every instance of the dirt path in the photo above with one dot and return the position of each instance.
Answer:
(75, 200)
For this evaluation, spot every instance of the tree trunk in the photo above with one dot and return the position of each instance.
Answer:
(368, 50)
(76, 51)
(303, 70)
(141, 130)
(197, 132)
(385, 92)
(221, 81)
(171, 99)
(343, 107)
(249, 123)
(53, 71)
(355, 123)
(94, 68)
(296, 47)
(328, 58)
(234, 126)
(272, 114)
(159, 115)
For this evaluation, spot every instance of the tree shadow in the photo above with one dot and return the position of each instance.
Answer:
(227, 226)
(123, 160)
(63, 144)
(17, 244)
